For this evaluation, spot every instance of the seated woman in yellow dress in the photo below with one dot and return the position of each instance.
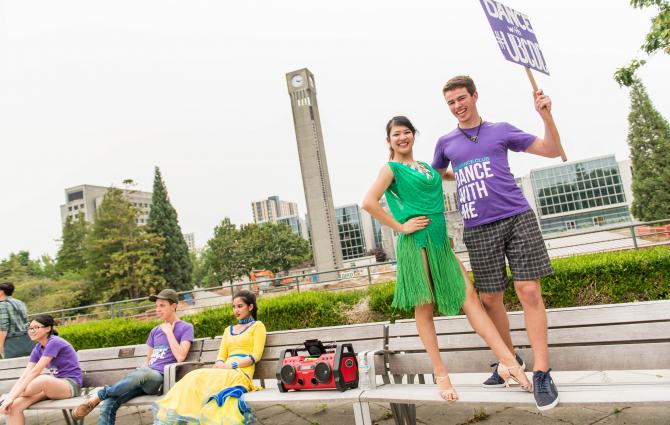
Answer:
(213, 396)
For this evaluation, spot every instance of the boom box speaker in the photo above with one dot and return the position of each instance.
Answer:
(320, 369)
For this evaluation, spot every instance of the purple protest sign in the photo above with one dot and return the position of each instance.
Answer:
(515, 35)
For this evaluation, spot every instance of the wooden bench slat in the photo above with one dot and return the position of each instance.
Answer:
(583, 335)
(576, 316)
(611, 357)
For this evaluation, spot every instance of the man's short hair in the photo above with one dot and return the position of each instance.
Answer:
(458, 82)
(7, 288)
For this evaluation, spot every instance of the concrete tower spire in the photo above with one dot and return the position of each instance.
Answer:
(316, 182)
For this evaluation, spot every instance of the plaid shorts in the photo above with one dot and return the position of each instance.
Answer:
(519, 239)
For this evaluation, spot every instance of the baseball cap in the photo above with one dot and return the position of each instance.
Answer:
(166, 294)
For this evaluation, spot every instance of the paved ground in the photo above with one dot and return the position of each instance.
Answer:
(342, 414)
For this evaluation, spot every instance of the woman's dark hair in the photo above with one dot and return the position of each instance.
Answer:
(45, 320)
(400, 120)
(249, 298)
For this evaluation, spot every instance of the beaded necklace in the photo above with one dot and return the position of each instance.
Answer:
(417, 166)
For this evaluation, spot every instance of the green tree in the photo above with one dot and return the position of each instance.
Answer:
(133, 270)
(658, 38)
(649, 142)
(224, 256)
(19, 266)
(273, 247)
(120, 254)
(175, 264)
(70, 257)
(199, 270)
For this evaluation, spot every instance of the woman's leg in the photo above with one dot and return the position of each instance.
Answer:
(40, 388)
(51, 387)
(482, 324)
(15, 416)
(426, 327)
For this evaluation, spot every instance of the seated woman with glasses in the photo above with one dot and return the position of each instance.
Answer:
(52, 352)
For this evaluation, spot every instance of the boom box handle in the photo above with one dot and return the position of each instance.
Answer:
(339, 354)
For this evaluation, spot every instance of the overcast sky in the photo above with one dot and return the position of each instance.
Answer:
(95, 92)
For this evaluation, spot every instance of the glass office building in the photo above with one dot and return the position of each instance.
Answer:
(294, 223)
(351, 231)
(580, 195)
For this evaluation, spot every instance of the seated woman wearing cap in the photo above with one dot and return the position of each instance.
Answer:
(212, 396)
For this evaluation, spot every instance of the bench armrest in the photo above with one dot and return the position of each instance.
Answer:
(369, 358)
(174, 370)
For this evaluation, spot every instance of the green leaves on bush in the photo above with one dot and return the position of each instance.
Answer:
(603, 278)
(106, 333)
(292, 311)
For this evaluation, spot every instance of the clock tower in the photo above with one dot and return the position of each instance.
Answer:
(324, 233)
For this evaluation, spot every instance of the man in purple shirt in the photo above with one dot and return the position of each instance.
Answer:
(168, 343)
(498, 220)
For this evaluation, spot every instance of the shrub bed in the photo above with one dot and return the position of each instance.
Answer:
(293, 311)
(602, 278)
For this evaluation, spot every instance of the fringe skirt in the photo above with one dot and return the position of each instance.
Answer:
(412, 284)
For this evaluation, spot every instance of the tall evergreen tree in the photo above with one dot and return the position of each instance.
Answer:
(120, 254)
(649, 142)
(175, 264)
(70, 257)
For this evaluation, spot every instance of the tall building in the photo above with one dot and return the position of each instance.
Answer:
(376, 235)
(352, 237)
(296, 224)
(190, 241)
(324, 233)
(582, 194)
(272, 209)
(87, 198)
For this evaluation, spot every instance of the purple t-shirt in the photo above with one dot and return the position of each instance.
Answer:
(486, 188)
(161, 355)
(64, 362)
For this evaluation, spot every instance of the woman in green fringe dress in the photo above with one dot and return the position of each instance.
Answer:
(428, 272)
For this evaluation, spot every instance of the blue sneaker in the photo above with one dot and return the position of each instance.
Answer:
(544, 390)
(495, 381)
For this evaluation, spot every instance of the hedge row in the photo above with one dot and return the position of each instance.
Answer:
(603, 278)
(294, 311)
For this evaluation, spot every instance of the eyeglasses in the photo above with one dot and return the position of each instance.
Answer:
(35, 328)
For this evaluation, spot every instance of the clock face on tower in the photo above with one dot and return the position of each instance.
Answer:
(297, 80)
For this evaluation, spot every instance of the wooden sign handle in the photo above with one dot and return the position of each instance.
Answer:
(551, 125)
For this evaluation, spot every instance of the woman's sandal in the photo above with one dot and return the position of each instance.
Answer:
(516, 374)
(447, 394)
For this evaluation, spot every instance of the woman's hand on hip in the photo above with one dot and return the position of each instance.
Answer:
(414, 224)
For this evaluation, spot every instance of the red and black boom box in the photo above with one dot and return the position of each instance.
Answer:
(320, 369)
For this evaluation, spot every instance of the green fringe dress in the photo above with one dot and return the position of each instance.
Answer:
(413, 194)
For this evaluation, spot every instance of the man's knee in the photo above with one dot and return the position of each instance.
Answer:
(491, 300)
(529, 292)
(109, 405)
